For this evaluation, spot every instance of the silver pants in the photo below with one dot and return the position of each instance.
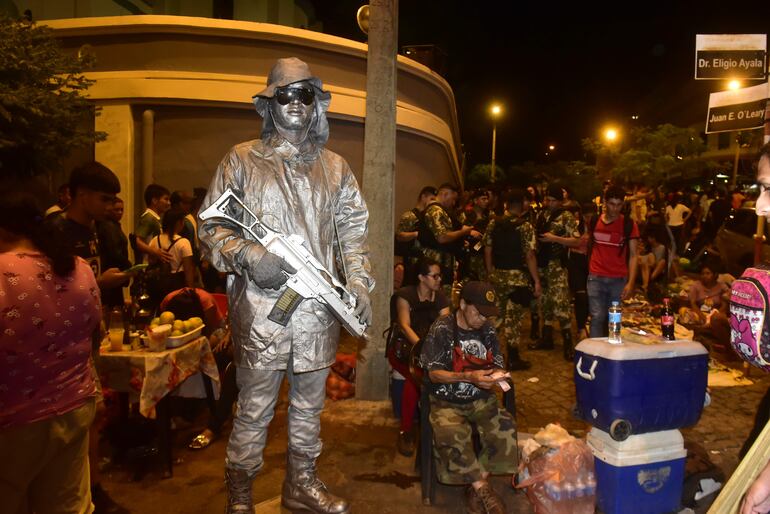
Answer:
(256, 405)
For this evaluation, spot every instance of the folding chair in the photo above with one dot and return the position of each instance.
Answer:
(427, 462)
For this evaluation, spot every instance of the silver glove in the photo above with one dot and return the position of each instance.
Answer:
(363, 310)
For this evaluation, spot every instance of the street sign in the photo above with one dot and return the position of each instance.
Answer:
(742, 109)
(730, 56)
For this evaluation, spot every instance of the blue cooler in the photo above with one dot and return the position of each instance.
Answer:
(634, 388)
(643, 474)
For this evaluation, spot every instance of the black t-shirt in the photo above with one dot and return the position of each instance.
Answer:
(83, 240)
(718, 212)
(421, 314)
(113, 245)
(113, 250)
(437, 353)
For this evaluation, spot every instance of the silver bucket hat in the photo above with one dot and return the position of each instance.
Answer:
(289, 71)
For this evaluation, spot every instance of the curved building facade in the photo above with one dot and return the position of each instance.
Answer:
(175, 94)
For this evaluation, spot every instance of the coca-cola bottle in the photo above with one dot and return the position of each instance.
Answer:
(667, 320)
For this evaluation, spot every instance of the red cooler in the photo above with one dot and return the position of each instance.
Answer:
(633, 388)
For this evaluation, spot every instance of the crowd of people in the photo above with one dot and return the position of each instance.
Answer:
(82, 231)
(545, 253)
(472, 264)
(548, 225)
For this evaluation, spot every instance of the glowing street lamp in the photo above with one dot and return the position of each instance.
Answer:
(610, 135)
(734, 84)
(495, 110)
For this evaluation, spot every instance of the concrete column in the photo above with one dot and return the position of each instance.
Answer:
(378, 185)
(148, 148)
(117, 153)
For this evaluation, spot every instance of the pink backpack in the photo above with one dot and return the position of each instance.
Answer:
(749, 316)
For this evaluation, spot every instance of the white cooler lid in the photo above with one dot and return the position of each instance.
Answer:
(627, 350)
(637, 449)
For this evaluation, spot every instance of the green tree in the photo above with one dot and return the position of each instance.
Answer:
(481, 175)
(42, 102)
(652, 155)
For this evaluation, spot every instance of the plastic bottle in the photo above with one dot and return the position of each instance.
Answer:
(615, 317)
(554, 490)
(590, 485)
(580, 488)
(667, 321)
(569, 491)
(116, 329)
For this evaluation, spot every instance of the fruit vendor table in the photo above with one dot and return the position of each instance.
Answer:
(153, 375)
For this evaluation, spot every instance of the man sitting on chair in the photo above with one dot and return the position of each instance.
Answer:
(462, 356)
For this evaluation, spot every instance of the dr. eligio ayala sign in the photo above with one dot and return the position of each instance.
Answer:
(730, 56)
(742, 109)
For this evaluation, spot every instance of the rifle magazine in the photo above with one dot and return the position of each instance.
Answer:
(285, 306)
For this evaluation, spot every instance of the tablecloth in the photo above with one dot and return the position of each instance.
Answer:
(153, 375)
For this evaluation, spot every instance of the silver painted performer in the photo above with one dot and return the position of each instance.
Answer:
(295, 186)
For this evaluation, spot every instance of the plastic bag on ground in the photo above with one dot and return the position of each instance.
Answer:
(561, 479)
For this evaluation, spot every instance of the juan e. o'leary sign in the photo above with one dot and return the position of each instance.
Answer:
(742, 109)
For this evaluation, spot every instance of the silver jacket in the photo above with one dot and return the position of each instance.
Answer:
(293, 191)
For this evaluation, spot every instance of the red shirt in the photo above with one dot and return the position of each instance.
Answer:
(607, 257)
(207, 302)
(46, 324)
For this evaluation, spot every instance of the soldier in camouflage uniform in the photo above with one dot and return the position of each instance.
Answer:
(406, 245)
(509, 252)
(477, 216)
(440, 235)
(532, 210)
(558, 231)
(461, 355)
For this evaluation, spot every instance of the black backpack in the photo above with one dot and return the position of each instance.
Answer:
(160, 279)
(506, 244)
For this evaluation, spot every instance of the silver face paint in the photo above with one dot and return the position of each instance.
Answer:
(293, 119)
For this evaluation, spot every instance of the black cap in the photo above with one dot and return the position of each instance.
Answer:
(482, 296)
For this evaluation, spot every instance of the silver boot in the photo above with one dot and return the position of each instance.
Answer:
(303, 490)
(238, 485)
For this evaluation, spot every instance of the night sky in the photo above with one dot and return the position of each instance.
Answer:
(563, 70)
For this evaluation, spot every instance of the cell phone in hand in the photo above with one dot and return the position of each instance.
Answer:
(135, 268)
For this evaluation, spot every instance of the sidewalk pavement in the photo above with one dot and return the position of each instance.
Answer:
(359, 459)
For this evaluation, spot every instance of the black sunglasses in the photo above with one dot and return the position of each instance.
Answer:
(284, 95)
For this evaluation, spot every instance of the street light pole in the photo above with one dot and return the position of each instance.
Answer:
(737, 160)
(495, 110)
(610, 135)
(494, 144)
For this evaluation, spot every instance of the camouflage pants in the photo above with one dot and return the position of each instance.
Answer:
(557, 301)
(511, 314)
(453, 444)
(476, 269)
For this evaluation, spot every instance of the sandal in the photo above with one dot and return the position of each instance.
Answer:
(201, 441)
